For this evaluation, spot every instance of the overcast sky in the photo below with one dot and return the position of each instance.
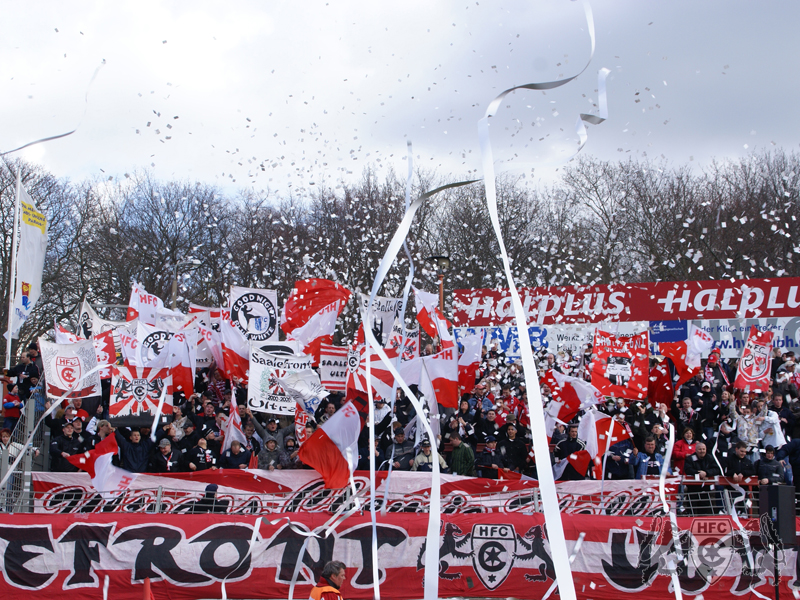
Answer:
(312, 92)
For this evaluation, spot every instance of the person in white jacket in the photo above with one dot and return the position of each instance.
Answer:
(770, 430)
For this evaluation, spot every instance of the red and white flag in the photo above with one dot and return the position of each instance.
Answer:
(332, 450)
(143, 306)
(64, 335)
(301, 417)
(431, 318)
(232, 430)
(135, 394)
(570, 395)
(333, 367)
(381, 378)
(469, 361)
(317, 330)
(307, 298)
(235, 350)
(755, 365)
(686, 355)
(600, 432)
(411, 350)
(442, 368)
(106, 478)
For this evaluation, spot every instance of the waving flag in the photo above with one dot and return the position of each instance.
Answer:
(600, 432)
(317, 330)
(309, 297)
(235, 350)
(254, 313)
(686, 355)
(106, 478)
(143, 306)
(68, 364)
(304, 387)
(411, 349)
(382, 379)
(469, 361)
(431, 318)
(64, 335)
(442, 368)
(232, 430)
(570, 395)
(332, 450)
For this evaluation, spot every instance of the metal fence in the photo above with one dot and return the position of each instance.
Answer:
(16, 496)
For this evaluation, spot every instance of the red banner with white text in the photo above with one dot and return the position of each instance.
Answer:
(480, 555)
(662, 301)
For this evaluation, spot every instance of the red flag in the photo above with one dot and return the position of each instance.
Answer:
(756, 362)
(660, 390)
(317, 330)
(235, 350)
(570, 394)
(469, 361)
(686, 355)
(442, 370)
(621, 365)
(309, 297)
(106, 477)
(332, 450)
(600, 432)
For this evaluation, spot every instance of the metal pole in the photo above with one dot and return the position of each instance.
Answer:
(441, 292)
(23, 502)
(12, 283)
(4, 493)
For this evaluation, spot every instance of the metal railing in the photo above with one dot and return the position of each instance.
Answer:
(16, 495)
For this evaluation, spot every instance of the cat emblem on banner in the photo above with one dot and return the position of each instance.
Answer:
(493, 550)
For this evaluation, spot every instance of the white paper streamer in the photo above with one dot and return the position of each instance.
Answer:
(158, 414)
(61, 135)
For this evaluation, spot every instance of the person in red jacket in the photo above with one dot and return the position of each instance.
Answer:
(329, 584)
(682, 449)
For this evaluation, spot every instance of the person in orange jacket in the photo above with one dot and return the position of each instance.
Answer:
(329, 584)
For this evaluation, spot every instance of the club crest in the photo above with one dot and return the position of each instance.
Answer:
(493, 549)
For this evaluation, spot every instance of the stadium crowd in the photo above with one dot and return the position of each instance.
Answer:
(720, 431)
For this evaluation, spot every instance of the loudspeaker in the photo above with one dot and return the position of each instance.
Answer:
(777, 501)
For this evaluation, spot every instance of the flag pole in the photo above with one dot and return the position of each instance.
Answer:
(12, 285)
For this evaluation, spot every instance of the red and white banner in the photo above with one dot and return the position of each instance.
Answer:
(621, 365)
(686, 355)
(135, 393)
(662, 301)
(411, 350)
(333, 367)
(469, 361)
(261, 492)
(317, 330)
(481, 555)
(235, 350)
(755, 365)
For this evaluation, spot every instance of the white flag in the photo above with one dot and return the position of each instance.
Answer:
(30, 261)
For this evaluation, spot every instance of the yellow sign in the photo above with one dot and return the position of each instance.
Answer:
(33, 217)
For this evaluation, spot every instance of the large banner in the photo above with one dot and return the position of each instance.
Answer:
(480, 555)
(263, 492)
(663, 301)
(265, 392)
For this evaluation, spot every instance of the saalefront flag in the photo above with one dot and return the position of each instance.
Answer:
(317, 330)
(30, 261)
(431, 318)
(253, 313)
(332, 450)
(106, 478)
(621, 366)
(143, 306)
(442, 368)
(469, 361)
(755, 365)
(333, 367)
(383, 313)
(686, 355)
(66, 365)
